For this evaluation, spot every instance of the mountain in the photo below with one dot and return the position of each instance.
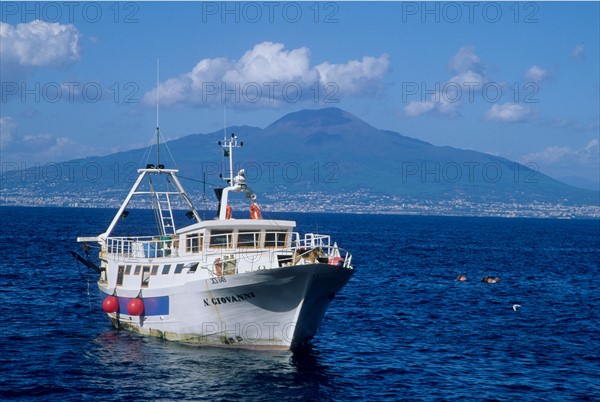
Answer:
(325, 151)
(350, 154)
(580, 182)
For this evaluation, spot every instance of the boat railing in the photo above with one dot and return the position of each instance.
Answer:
(316, 240)
(313, 248)
(142, 247)
(310, 252)
(231, 264)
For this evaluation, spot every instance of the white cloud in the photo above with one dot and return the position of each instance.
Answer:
(189, 87)
(561, 161)
(8, 131)
(269, 62)
(468, 79)
(14, 141)
(268, 74)
(416, 108)
(593, 146)
(354, 76)
(578, 52)
(439, 103)
(38, 147)
(508, 113)
(536, 74)
(448, 107)
(39, 44)
(465, 60)
(575, 125)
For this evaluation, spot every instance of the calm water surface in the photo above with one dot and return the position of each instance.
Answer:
(402, 329)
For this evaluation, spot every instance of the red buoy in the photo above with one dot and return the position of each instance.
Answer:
(110, 304)
(135, 306)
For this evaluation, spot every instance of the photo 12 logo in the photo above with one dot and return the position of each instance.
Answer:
(273, 172)
(325, 172)
(70, 12)
(469, 12)
(468, 172)
(270, 12)
(269, 92)
(453, 92)
(69, 91)
(68, 172)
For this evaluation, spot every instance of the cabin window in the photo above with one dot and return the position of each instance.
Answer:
(154, 270)
(138, 268)
(248, 239)
(275, 239)
(128, 270)
(193, 243)
(166, 269)
(120, 275)
(179, 268)
(221, 238)
(146, 276)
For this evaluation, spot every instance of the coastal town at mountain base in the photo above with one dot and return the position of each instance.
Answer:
(357, 202)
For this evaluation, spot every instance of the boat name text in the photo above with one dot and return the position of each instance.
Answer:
(229, 299)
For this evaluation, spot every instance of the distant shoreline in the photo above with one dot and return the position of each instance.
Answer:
(560, 213)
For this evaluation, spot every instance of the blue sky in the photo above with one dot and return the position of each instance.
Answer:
(519, 80)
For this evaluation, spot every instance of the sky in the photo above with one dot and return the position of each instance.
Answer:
(518, 80)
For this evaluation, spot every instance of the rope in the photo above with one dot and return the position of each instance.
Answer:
(155, 206)
(166, 144)
(89, 293)
(198, 181)
(148, 151)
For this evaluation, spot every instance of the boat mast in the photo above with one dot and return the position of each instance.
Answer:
(227, 145)
(157, 125)
(233, 137)
(237, 183)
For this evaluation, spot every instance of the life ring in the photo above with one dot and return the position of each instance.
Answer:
(255, 211)
(218, 267)
(228, 211)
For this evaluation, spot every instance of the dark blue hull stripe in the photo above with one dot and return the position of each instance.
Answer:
(152, 305)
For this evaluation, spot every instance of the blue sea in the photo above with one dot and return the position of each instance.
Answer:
(402, 329)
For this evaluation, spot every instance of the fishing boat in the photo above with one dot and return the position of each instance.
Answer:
(243, 281)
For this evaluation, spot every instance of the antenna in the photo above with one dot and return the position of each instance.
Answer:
(157, 103)
(227, 146)
(204, 194)
(157, 93)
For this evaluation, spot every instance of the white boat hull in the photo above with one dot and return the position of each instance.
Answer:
(273, 309)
